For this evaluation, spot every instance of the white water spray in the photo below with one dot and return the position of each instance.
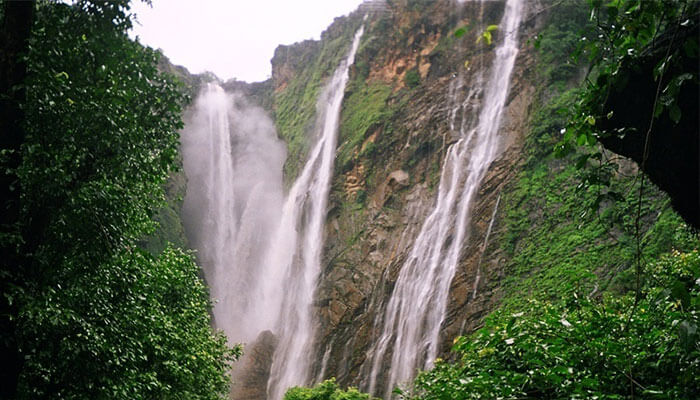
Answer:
(261, 256)
(233, 162)
(295, 256)
(411, 324)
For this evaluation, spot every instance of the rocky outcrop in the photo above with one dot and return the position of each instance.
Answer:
(251, 373)
(666, 150)
(388, 168)
(289, 60)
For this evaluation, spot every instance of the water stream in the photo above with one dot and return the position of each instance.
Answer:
(233, 161)
(295, 258)
(260, 251)
(411, 323)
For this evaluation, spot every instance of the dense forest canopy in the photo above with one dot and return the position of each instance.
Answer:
(86, 312)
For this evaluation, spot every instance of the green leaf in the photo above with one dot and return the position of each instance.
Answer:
(582, 160)
(674, 112)
(581, 139)
(537, 43)
(658, 109)
(680, 292)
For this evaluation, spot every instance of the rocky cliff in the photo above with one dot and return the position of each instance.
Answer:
(395, 133)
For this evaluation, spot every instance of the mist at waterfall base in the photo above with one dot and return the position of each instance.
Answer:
(233, 161)
(260, 250)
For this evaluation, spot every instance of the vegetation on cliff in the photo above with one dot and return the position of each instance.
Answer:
(640, 97)
(86, 312)
(606, 347)
(300, 77)
(601, 290)
(602, 294)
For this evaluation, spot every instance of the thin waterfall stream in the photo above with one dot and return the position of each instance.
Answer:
(296, 254)
(260, 250)
(410, 325)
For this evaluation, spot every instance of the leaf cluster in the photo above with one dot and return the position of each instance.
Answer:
(622, 34)
(98, 317)
(326, 390)
(583, 348)
(137, 327)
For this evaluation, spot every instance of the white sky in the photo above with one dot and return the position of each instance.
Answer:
(232, 38)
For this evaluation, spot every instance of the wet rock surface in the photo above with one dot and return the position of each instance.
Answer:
(253, 370)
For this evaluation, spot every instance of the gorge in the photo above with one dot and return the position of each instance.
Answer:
(262, 256)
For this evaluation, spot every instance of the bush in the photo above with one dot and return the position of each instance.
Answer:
(327, 390)
(412, 78)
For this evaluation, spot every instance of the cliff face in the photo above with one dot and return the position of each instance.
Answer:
(395, 133)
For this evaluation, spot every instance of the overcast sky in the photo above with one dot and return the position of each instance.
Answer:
(232, 38)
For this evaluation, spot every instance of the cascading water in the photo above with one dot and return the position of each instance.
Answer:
(233, 161)
(411, 323)
(295, 257)
(484, 246)
(261, 256)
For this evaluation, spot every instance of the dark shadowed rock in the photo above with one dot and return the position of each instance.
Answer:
(253, 370)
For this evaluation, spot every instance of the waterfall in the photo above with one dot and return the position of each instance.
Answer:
(233, 161)
(261, 253)
(484, 246)
(294, 260)
(411, 323)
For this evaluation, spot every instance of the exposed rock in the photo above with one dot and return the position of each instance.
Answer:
(288, 60)
(253, 370)
(367, 241)
(372, 243)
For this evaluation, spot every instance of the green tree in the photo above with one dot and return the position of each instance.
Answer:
(16, 21)
(326, 390)
(640, 97)
(93, 315)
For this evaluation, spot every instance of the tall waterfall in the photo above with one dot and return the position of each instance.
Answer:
(411, 323)
(295, 257)
(261, 253)
(233, 162)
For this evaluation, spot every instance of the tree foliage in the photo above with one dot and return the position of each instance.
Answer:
(624, 31)
(134, 327)
(96, 317)
(585, 348)
(640, 97)
(326, 390)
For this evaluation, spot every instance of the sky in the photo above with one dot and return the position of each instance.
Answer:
(232, 38)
